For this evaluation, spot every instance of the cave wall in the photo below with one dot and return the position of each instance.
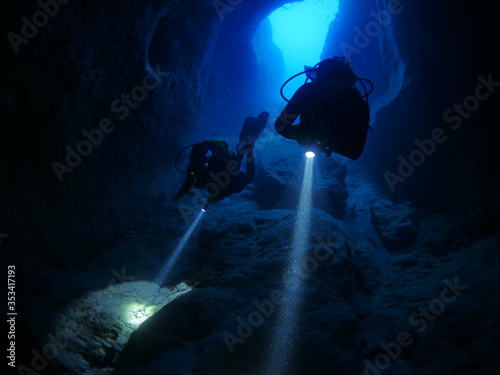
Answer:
(106, 91)
(239, 83)
(347, 38)
(458, 177)
(444, 48)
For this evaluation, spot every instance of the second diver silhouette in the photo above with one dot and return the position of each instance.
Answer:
(216, 169)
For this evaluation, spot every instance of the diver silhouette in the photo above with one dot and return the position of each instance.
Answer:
(334, 116)
(216, 169)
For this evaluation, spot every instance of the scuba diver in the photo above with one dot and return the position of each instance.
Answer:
(334, 116)
(215, 168)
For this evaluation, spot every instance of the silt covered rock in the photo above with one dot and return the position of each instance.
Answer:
(395, 224)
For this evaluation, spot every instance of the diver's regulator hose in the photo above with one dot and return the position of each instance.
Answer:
(178, 156)
(365, 96)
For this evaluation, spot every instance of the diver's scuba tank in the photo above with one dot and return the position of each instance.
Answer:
(221, 149)
(203, 151)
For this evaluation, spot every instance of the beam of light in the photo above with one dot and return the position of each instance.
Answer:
(171, 261)
(283, 335)
(299, 31)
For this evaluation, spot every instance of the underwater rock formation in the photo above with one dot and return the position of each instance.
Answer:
(225, 323)
(395, 224)
(280, 170)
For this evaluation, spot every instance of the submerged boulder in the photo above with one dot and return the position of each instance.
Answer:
(395, 224)
(281, 171)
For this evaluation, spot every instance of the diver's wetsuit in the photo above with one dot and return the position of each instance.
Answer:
(338, 120)
(194, 177)
(221, 174)
(228, 177)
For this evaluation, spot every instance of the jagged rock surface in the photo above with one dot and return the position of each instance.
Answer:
(281, 171)
(394, 223)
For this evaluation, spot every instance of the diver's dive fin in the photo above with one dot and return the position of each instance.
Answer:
(251, 130)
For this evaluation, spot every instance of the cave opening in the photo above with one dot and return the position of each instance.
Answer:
(299, 30)
(249, 69)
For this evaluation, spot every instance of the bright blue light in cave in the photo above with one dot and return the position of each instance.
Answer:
(300, 30)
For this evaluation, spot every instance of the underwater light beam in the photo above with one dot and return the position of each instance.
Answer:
(171, 261)
(294, 275)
